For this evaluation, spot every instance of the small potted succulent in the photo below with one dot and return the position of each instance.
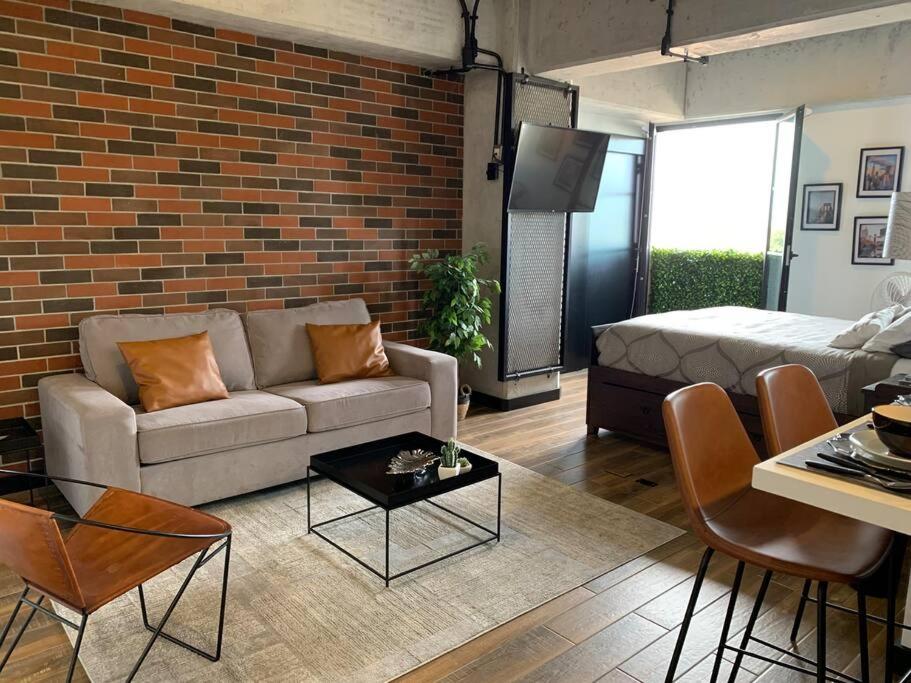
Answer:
(449, 460)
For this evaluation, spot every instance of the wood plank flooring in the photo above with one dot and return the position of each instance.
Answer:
(621, 627)
(618, 628)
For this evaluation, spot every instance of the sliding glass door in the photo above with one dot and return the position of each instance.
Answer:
(782, 202)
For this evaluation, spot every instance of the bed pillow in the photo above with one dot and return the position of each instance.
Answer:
(896, 333)
(866, 328)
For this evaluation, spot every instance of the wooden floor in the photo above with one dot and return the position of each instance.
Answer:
(619, 628)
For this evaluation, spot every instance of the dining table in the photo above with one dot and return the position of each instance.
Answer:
(846, 497)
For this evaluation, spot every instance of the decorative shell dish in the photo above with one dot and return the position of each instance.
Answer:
(407, 462)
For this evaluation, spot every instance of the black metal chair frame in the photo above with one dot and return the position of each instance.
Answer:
(157, 631)
(820, 671)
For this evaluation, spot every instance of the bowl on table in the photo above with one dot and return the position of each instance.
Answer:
(893, 427)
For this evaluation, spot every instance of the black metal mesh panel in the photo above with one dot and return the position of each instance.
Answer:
(541, 105)
(535, 290)
(534, 278)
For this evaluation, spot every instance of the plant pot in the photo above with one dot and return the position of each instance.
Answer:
(447, 472)
(463, 401)
(464, 467)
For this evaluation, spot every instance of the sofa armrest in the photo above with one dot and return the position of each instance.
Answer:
(438, 370)
(89, 434)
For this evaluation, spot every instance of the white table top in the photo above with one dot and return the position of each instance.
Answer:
(871, 505)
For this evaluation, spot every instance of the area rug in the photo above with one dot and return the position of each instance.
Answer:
(299, 610)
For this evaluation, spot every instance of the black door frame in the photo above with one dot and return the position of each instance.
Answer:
(643, 273)
(642, 246)
(787, 253)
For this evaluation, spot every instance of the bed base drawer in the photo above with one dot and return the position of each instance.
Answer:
(630, 404)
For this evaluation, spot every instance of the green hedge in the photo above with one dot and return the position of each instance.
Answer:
(687, 279)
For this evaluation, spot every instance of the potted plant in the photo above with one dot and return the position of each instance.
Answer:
(457, 305)
(449, 460)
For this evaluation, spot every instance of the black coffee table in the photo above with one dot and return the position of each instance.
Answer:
(362, 470)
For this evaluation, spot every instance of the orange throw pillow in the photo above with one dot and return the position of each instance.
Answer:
(174, 372)
(343, 352)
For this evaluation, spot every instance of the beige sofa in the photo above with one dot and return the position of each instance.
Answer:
(277, 416)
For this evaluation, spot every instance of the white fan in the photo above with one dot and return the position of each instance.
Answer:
(895, 289)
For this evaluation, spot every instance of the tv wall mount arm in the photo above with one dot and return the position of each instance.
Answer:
(470, 53)
(666, 41)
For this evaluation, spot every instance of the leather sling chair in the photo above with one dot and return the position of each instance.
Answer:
(794, 410)
(124, 539)
(713, 461)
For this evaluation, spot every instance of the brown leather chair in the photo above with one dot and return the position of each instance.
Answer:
(794, 410)
(793, 407)
(713, 461)
(124, 540)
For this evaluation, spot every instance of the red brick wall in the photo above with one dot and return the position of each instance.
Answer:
(150, 164)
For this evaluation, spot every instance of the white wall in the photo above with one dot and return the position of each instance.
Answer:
(593, 115)
(823, 280)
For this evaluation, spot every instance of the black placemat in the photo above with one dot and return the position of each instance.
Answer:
(799, 461)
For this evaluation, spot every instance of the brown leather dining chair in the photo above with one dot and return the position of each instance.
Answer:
(792, 406)
(124, 540)
(794, 410)
(713, 460)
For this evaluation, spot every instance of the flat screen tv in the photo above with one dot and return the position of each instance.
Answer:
(557, 169)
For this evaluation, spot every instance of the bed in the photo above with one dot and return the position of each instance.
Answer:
(637, 362)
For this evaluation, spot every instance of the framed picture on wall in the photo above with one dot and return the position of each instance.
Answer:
(880, 172)
(821, 207)
(869, 241)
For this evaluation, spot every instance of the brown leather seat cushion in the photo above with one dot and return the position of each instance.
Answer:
(797, 539)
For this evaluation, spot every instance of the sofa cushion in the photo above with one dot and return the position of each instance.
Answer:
(105, 365)
(245, 419)
(356, 402)
(279, 341)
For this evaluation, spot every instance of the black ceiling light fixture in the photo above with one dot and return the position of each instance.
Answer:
(470, 53)
(666, 41)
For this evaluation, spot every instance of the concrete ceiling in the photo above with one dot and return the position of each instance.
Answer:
(422, 32)
(702, 27)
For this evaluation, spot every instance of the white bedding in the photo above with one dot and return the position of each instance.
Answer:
(730, 345)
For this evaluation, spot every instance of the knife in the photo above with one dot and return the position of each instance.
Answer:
(902, 486)
(851, 462)
(834, 469)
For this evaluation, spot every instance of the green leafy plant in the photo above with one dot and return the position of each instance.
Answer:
(458, 308)
(697, 278)
(449, 454)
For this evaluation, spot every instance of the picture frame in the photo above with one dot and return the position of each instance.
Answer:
(869, 241)
(880, 171)
(821, 206)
